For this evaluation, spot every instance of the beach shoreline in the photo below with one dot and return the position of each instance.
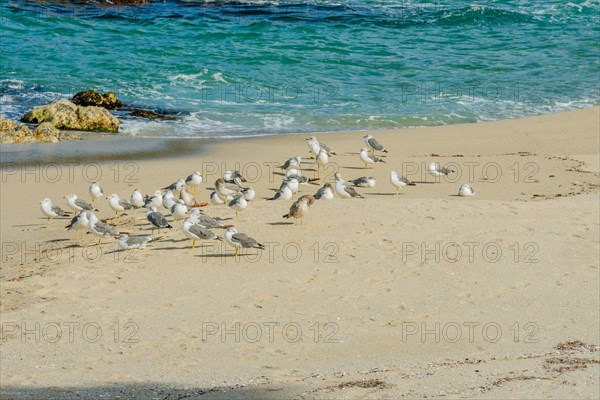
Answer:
(365, 299)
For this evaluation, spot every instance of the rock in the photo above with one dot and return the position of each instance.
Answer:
(46, 132)
(91, 98)
(12, 132)
(150, 114)
(65, 115)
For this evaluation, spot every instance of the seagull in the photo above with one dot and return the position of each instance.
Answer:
(249, 193)
(176, 186)
(343, 190)
(238, 203)
(134, 242)
(374, 144)
(51, 211)
(179, 210)
(293, 162)
(153, 201)
(194, 181)
(435, 169)
(96, 192)
(300, 207)
(187, 198)
(137, 200)
(367, 158)
(240, 240)
(157, 219)
(227, 189)
(168, 199)
(215, 199)
(399, 181)
(205, 221)
(99, 228)
(78, 204)
(326, 192)
(322, 160)
(364, 181)
(292, 183)
(118, 204)
(315, 146)
(466, 190)
(284, 193)
(304, 180)
(196, 232)
(79, 222)
(233, 177)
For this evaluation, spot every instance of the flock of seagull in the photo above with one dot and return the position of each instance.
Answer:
(178, 198)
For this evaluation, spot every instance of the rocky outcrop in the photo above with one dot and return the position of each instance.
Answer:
(150, 114)
(13, 132)
(91, 98)
(65, 115)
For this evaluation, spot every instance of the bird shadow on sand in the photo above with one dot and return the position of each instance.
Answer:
(381, 194)
(174, 240)
(221, 255)
(56, 240)
(423, 182)
(361, 168)
(280, 223)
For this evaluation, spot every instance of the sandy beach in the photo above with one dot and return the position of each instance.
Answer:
(424, 294)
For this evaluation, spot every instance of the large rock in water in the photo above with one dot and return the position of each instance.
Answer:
(65, 115)
(91, 98)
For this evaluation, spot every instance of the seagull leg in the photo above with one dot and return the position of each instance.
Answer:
(397, 191)
(99, 240)
(193, 244)
(49, 219)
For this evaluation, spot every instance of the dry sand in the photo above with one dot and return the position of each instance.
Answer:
(365, 299)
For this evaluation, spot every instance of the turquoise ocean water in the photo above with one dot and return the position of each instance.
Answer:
(263, 67)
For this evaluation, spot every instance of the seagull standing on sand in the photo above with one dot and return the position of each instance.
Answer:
(233, 177)
(187, 198)
(194, 181)
(78, 204)
(118, 204)
(137, 200)
(293, 162)
(322, 161)
(367, 158)
(179, 210)
(134, 242)
(284, 193)
(176, 186)
(153, 201)
(226, 190)
(342, 188)
(79, 222)
(292, 183)
(300, 207)
(466, 190)
(364, 181)
(315, 146)
(96, 192)
(157, 219)
(325, 193)
(238, 204)
(196, 232)
(435, 169)
(51, 211)
(240, 240)
(374, 144)
(101, 229)
(399, 181)
(168, 199)
(215, 199)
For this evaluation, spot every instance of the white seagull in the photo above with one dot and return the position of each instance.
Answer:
(240, 240)
(96, 192)
(118, 204)
(367, 158)
(466, 190)
(343, 189)
(399, 181)
(101, 229)
(51, 211)
(194, 181)
(435, 169)
(137, 199)
(325, 193)
(78, 204)
(374, 144)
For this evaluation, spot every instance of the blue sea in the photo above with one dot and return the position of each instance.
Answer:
(242, 68)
